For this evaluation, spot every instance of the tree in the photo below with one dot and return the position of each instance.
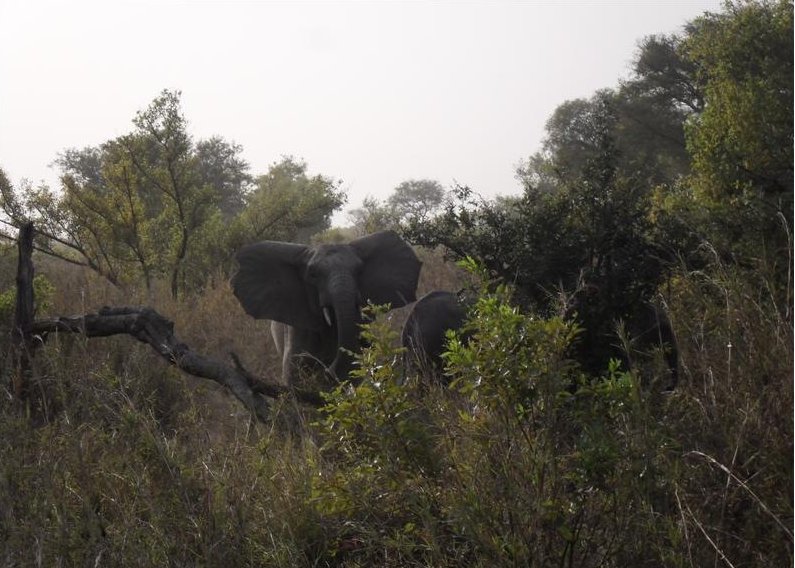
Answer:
(220, 167)
(416, 199)
(162, 155)
(664, 76)
(593, 225)
(412, 201)
(741, 144)
(289, 205)
(651, 109)
(136, 206)
(592, 231)
(648, 135)
(374, 215)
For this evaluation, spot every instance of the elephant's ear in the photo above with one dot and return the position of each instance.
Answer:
(269, 284)
(390, 271)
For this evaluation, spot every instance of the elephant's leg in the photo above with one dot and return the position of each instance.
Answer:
(299, 348)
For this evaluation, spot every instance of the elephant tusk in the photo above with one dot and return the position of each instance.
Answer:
(327, 316)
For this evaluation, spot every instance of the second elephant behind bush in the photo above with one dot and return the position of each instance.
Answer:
(424, 333)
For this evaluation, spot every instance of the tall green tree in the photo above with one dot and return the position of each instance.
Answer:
(412, 201)
(287, 204)
(137, 206)
(742, 144)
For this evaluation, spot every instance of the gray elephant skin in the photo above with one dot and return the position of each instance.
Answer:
(314, 294)
(424, 332)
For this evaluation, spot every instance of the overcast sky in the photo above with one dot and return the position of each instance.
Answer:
(372, 93)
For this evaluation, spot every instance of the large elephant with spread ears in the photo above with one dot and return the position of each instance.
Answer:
(314, 294)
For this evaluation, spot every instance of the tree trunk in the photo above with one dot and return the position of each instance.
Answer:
(23, 314)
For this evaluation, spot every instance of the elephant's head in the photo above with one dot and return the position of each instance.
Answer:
(323, 288)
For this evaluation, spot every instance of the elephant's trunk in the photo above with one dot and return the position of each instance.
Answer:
(344, 298)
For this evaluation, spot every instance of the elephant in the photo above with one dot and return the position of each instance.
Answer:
(314, 294)
(423, 335)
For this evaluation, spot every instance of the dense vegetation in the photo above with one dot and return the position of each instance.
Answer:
(673, 188)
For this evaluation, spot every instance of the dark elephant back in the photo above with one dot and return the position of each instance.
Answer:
(424, 333)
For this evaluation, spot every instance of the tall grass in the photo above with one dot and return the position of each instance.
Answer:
(524, 461)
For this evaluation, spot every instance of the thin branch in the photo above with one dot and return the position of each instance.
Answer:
(742, 484)
(709, 539)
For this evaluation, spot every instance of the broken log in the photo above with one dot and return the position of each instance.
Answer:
(148, 326)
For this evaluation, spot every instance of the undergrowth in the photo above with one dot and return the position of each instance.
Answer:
(524, 460)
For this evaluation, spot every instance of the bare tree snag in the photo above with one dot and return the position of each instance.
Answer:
(23, 314)
(145, 325)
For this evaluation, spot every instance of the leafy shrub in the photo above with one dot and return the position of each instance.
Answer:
(525, 459)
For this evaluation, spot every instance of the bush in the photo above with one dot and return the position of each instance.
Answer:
(525, 460)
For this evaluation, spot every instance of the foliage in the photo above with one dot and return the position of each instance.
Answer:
(593, 231)
(220, 167)
(416, 199)
(527, 461)
(412, 201)
(741, 145)
(691, 154)
(646, 125)
(132, 207)
(289, 205)
(371, 216)
(133, 481)
(734, 416)
(43, 291)
(155, 204)
(380, 451)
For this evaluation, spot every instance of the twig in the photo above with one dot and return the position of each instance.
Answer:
(712, 542)
(744, 486)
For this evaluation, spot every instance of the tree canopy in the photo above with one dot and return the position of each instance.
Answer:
(411, 201)
(690, 156)
(155, 203)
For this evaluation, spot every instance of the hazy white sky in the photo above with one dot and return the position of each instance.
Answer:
(372, 93)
